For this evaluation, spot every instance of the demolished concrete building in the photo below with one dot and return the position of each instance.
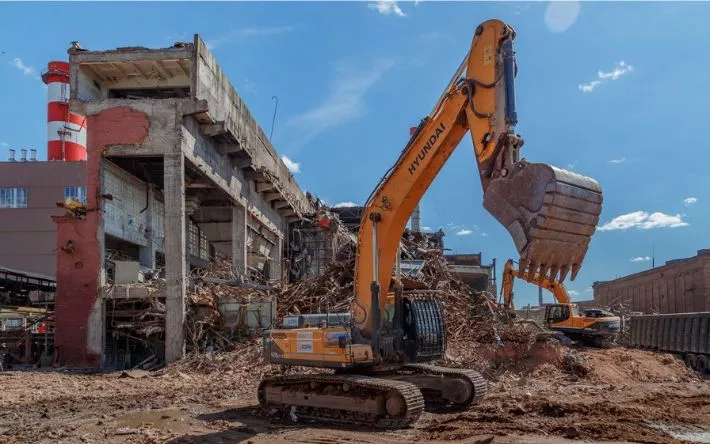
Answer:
(178, 172)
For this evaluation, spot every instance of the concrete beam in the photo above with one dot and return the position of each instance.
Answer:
(161, 70)
(264, 186)
(194, 107)
(242, 163)
(213, 129)
(196, 185)
(272, 196)
(287, 212)
(253, 175)
(281, 204)
(174, 173)
(229, 148)
(90, 57)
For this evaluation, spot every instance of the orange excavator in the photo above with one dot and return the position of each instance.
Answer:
(379, 354)
(595, 327)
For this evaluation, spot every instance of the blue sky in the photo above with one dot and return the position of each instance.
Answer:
(616, 91)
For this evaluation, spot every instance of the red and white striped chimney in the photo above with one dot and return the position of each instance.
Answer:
(66, 131)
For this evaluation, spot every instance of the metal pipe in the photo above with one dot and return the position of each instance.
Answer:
(375, 265)
(509, 70)
(399, 265)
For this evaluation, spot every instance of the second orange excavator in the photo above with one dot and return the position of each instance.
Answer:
(595, 327)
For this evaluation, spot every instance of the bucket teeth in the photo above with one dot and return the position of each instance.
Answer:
(544, 268)
(550, 213)
(563, 272)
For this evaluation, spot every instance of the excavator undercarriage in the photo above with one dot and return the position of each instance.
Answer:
(392, 393)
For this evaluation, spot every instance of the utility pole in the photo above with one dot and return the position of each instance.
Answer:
(653, 255)
(273, 119)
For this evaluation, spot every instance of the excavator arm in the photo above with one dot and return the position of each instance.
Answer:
(558, 289)
(550, 213)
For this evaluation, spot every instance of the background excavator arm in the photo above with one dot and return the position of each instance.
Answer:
(550, 213)
(558, 289)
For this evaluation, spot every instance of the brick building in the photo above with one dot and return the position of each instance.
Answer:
(679, 286)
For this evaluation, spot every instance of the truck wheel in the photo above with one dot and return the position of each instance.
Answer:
(690, 360)
(701, 363)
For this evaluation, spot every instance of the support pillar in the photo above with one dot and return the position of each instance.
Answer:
(239, 239)
(174, 173)
(146, 255)
(275, 256)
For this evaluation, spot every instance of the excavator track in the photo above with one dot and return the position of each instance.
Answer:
(477, 385)
(344, 398)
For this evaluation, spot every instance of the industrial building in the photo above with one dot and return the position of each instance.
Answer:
(178, 172)
(678, 286)
(29, 193)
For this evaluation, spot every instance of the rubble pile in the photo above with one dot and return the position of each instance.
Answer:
(474, 323)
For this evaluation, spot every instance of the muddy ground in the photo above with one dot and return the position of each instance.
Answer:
(625, 395)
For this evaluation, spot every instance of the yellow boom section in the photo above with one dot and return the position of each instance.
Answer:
(550, 213)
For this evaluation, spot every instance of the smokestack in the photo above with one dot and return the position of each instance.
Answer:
(23, 155)
(11, 156)
(33, 155)
(539, 296)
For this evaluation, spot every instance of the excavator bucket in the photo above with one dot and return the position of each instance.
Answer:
(550, 213)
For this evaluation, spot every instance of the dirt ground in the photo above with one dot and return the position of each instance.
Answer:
(623, 395)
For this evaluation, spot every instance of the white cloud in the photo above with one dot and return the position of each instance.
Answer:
(464, 232)
(26, 70)
(253, 31)
(621, 69)
(346, 204)
(690, 200)
(640, 259)
(589, 87)
(484, 234)
(572, 165)
(573, 292)
(616, 161)
(426, 228)
(344, 102)
(292, 166)
(4, 144)
(519, 8)
(642, 220)
(387, 7)
(249, 86)
(588, 290)
(560, 15)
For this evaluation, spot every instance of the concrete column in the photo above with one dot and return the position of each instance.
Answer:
(146, 255)
(174, 173)
(239, 239)
(275, 255)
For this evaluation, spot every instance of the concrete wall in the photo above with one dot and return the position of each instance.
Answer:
(679, 286)
(28, 235)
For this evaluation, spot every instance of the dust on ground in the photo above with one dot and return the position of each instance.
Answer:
(550, 394)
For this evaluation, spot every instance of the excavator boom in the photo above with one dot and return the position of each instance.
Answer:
(550, 213)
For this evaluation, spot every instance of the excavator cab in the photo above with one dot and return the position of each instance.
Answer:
(556, 313)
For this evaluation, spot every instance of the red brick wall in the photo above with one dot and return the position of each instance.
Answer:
(79, 265)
